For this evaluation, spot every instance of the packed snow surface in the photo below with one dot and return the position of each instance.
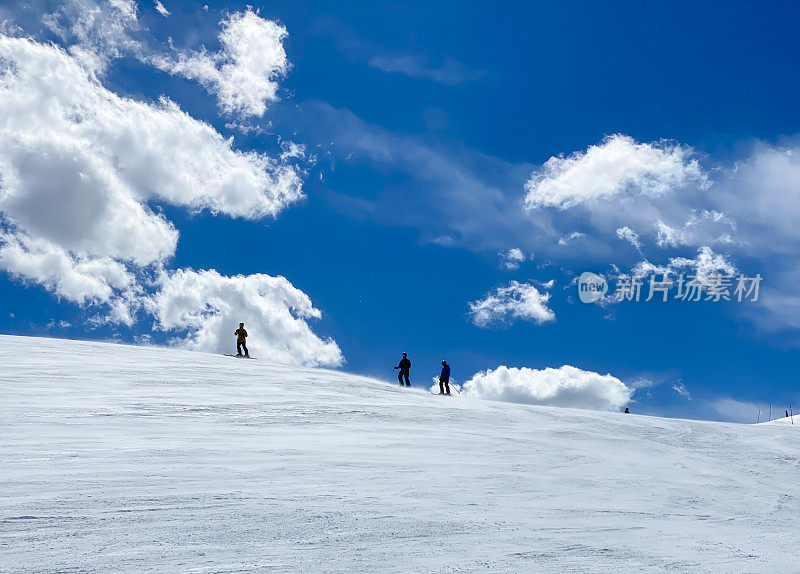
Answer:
(131, 459)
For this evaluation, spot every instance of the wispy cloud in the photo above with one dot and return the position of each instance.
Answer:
(448, 71)
(735, 411)
(461, 197)
(681, 389)
(161, 9)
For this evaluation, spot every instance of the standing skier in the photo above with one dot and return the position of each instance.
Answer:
(241, 341)
(405, 367)
(444, 378)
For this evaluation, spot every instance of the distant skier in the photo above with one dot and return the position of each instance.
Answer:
(241, 341)
(444, 378)
(627, 411)
(405, 368)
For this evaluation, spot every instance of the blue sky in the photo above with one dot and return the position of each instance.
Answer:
(422, 123)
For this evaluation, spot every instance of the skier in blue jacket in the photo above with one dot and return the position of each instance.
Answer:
(444, 379)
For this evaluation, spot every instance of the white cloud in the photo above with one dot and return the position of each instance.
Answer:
(8, 27)
(681, 389)
(669, 236)
(566, 386)
(78, 163)
(80, 167)
(97, 30)
(209, 306)
(706, 264)
(516, 301)
(702, 226)
(629, 235)
(701, 274)
(618, 165)
(244, 73)
(513, 258)
(451, 72)
(291, 150)
(161, 9)
(567, 239)
(79, 279)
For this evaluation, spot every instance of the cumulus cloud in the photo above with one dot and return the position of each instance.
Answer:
(79, 164)
(515, 301)
(96, 30)
(618, 165)
(209, 307)
(244, 73)
(513, 258)
(566, 386)
(77, 278)
(80, 168)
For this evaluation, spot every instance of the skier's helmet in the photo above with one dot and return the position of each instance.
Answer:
(444, 362)
(405, 354)
(241, 324)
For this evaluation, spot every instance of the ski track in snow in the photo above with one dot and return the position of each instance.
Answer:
(133, 459)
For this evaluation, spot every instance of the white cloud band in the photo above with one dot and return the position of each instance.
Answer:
(563, 387)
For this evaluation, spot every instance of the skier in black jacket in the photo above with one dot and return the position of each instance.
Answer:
(405, 367)
(444, 379)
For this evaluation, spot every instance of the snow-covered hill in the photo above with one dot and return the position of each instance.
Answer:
(118, 458)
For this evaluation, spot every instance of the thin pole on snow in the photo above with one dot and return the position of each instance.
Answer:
(791, 414)
(770, 412)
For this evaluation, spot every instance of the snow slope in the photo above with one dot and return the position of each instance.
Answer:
(789, 421)
(129, 459)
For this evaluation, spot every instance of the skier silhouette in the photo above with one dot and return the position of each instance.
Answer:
(444, 379)
(405, 367)
(241, 341)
